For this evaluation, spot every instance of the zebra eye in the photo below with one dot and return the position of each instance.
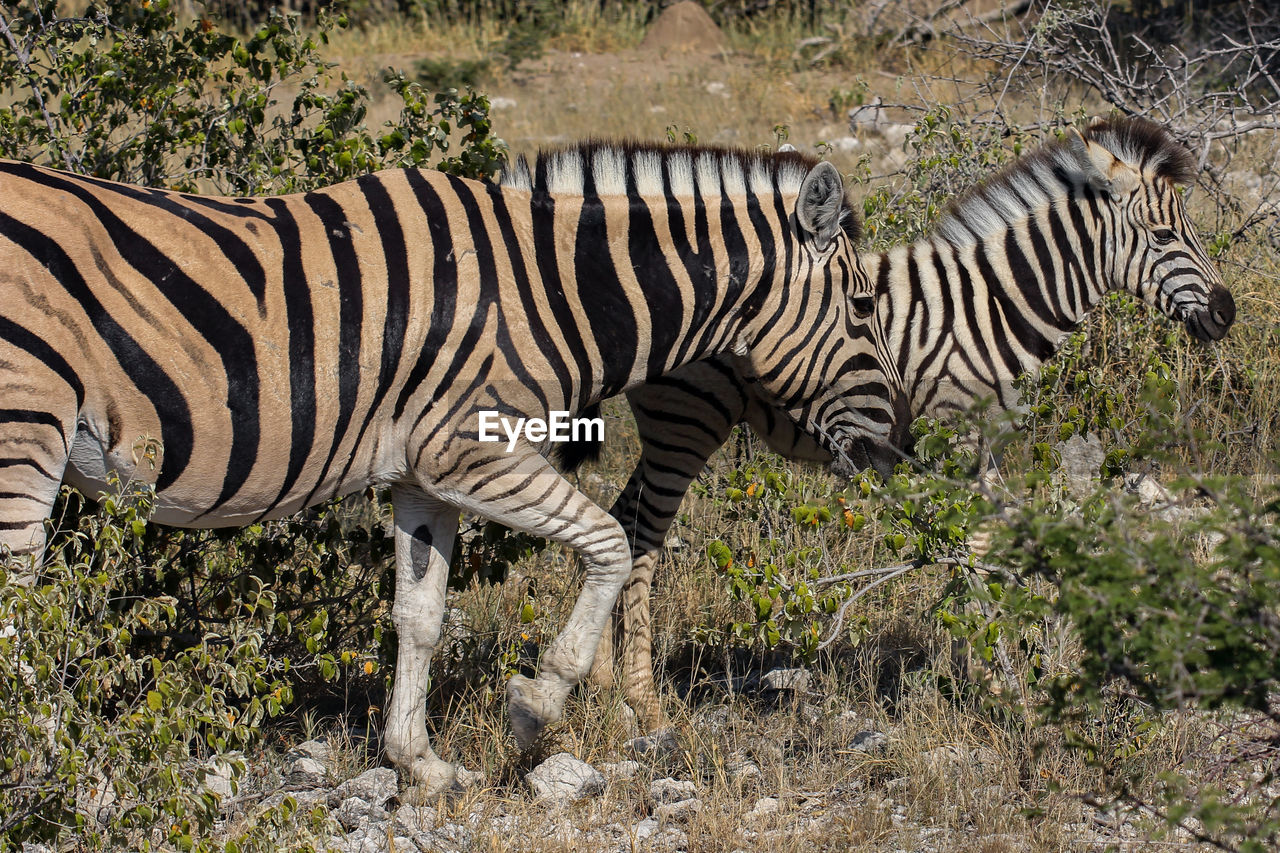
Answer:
(863, 306)
(1164, 235)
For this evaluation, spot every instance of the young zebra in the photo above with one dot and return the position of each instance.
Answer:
(286, 350)
(1011, 269)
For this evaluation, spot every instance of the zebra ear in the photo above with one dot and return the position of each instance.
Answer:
(1093, 174)
(821, 204)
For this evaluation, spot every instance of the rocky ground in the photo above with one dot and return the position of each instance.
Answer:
(708, 786)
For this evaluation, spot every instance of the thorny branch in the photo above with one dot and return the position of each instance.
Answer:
(1218, 93)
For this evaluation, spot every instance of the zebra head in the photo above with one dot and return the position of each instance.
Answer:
(1134, 168)
(825, 371)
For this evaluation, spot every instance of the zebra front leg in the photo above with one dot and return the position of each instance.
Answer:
(523, 491)
(424, 531)
(682, 419)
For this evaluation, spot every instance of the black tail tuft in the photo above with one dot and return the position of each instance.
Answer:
(568, 455)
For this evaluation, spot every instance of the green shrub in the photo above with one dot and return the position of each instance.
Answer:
(123, 93)
(110, 727)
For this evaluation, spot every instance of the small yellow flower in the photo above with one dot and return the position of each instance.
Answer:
(368, 667)
(752, 489)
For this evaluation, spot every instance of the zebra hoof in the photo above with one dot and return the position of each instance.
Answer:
(434, 778)
(530, 708)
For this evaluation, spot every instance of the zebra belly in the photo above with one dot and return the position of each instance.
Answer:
(196, 498)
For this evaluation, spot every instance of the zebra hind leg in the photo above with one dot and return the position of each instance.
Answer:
(34, 447)
(525, 493)
(424, 529)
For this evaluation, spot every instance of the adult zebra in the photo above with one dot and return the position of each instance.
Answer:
(1012, 267)
(286, 350)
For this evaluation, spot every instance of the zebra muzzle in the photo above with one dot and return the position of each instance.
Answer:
(1212, 323)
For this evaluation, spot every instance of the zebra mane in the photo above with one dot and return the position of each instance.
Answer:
(644, 170)
(1146, 146)
(1021, 187)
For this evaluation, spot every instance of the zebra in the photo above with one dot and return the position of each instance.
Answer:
(282, 351)
(1009, 271)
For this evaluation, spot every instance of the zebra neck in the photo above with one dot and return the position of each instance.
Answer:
(999, 306)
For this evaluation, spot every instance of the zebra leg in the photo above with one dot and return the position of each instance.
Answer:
(624, 510)
(35, 444)
(602, 674)
(530, 495)
(425, 529)
(682, 420)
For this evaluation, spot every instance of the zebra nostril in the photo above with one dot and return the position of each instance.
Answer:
(1219, 318)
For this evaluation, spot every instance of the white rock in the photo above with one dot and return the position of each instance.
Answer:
(742, 770)
(497, 102)
(306, 772)
(763, 807)
(679, 810)
(219, 776)
(717, 88)
(895, 134)
(645, 828)
(315, 749)
(621, 770)
(563, 777)
(869, 741)
(374, 786)
(670, 790)
(846, 144)
(943, 760)
(868, 115)
(354, 813)
(657, 745)
(796, 680)
(413, 819)
(671, 839)
(1082, 459)
(1148, 489)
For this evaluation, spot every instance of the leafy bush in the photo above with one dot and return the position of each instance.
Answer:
(110, 727)
(122, 93)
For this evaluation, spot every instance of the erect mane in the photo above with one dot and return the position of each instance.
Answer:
(1146, 146)
(1031, 181)
(645, 170)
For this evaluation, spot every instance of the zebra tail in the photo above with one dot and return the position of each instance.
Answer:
(569, 455)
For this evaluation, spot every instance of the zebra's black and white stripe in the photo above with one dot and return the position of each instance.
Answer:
(1011, 269)
(286, 350)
